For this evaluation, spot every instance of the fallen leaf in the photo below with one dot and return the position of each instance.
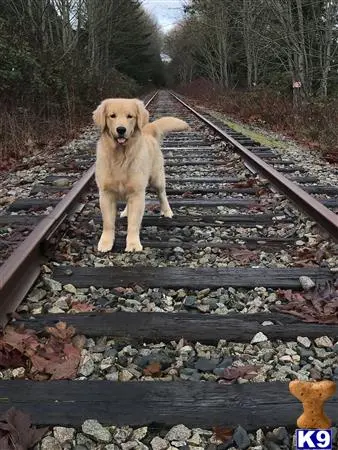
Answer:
(247, 372)
(187, 194)
(82, 307)
(223, 434)
(61, 331)
(153, 370)
(11, 357)
(244, 256)
(53, 357)
(17, 432)
(319, 306)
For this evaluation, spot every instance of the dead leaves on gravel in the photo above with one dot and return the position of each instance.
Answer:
(318, 306)
(54, 356)
(16, 431)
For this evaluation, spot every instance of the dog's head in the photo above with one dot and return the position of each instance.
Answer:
(121, 117)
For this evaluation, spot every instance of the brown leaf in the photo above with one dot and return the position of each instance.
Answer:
(16, 431)
(153, 370)
(61, 331)
(233, 373)
(82, 307)
(11, 357)
(319, 306)
(223, 434)
(244, 256)
(187, 194)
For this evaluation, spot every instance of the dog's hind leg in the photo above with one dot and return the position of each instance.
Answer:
(108, 211)
(158, 183)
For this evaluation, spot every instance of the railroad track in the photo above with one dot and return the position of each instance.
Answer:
(199, 302)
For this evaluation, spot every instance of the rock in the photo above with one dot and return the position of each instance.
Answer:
(37, 295)
(70, 288)
(125, 375)
(95, 430)
(158, 443)
(190, 301)
(111, 447)
(55, 310)
(335, 348)
(178, 433)
(241, 438)
(282, 436)
(106, 363)
(140, 433)
(324, 341)
(61, 303)
(52, 285)
(61, 182)
(63, 434)
(304, 341)
(122, 434)
(87, 364)
(50, 443)
(306, 283)
(206, 365)
(19, 372)
(259, 337)
(195, 439)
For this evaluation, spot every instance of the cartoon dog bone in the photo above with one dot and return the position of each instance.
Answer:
(313, 395)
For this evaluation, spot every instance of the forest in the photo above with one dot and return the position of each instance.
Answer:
(269, 62)
(58, 58)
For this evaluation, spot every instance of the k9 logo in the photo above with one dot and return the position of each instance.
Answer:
(314, 439)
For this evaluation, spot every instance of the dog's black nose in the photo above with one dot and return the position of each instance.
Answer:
(121, 130)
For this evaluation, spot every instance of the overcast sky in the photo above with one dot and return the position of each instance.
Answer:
(167, 12)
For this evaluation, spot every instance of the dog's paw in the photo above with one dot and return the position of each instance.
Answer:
(134, 246)
(105, 244)
(124, 213)
(167, 213)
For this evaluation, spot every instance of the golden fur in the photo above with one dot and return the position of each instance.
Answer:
(126, 165)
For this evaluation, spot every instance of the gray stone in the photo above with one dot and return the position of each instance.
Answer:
(158, 443)
(324, 341)
(55, 310)
(304, 341)
(259, 337)
(306, 283)
(206, 365)
(87, 364)
(241, 438)
(95, 430)
(178, 433)
(63, 434)
(52, 285)
(50, 443)
(70, 288)
(122, 434)
(37, 295)
(140, 433)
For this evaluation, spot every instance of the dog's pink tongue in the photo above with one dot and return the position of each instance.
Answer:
(121, 140)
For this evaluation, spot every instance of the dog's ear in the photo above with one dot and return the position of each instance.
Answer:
(142, 114)
(99, 115)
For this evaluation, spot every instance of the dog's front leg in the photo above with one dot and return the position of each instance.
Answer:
(108, 211)
(136, 205)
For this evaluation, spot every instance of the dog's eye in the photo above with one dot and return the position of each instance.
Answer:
(113, 116)
(129, 116)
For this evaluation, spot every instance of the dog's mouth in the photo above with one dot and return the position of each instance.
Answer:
(121, 140)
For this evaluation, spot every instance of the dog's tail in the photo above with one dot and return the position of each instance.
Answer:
(164, 125)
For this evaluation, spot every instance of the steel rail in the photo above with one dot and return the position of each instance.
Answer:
(324, 217)
(19, 272)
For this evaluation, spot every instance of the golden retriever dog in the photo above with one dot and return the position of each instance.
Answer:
(128, 158)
